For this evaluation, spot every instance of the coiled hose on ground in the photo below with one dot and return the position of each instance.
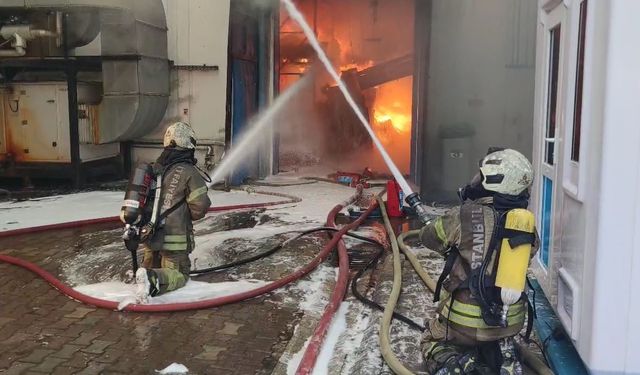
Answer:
(214, 302)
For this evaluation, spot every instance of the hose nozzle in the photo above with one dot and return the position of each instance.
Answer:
(415, 202)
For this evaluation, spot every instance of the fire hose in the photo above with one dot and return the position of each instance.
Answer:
(385, 325)
(313, 348)
(528, 357)
(214, 302)
(372, 304)
(113, 219)
(275, 249)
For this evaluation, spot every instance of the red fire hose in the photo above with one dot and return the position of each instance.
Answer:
(315, 344)
(214, 302)
(113, 219)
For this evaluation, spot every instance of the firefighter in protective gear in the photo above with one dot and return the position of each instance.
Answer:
(470, 333)
(183, 199)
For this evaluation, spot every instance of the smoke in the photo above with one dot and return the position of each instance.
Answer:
(356, 34)
(301, 129)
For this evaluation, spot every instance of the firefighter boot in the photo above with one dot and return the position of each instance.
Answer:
(148, 285)
(510, 363)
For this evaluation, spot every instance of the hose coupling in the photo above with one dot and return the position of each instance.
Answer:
(415, 202)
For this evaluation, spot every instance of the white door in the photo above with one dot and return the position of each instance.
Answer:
(551, 127)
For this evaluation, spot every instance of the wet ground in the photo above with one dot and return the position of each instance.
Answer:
(41, 331)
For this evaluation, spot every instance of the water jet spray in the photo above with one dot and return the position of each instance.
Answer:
(255, 129)
(413, 198)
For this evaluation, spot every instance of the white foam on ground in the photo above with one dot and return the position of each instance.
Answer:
(174, 368)
(192, 292)
(317, 200)
(203, 256)
(296, 358)
(338, 326)
(93, 205)
(312, 297)
(311, 293)
(351, 338)
(59, 209)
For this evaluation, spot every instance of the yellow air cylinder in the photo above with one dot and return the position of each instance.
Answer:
(513, 263)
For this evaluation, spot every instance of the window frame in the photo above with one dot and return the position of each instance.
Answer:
(550, 143)
(574, 172)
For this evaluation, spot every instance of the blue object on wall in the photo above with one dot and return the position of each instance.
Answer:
(562, 355)
(547, 214)
(244, 104)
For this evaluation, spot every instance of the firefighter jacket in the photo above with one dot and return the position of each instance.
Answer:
(182, 185)
(469, 228)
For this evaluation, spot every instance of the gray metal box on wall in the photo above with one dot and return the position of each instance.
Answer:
(456, 155)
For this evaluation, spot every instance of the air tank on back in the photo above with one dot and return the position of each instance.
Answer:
(137, 193)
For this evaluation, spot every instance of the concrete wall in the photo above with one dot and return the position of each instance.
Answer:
(596, 214)
(481, 76)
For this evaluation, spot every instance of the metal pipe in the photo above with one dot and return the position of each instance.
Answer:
(16, 52)
(59, 29)
(25, 32)
(201, 146)
(72, 97)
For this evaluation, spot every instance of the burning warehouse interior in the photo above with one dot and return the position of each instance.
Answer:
(438, 80)
(374, 54)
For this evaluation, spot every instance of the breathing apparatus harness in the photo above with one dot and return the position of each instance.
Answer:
(509, 235)
(141, 221)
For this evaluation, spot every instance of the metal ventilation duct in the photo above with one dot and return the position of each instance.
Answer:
(135, 64)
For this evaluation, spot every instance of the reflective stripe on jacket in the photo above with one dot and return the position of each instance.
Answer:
(183, 184)
(469, 227)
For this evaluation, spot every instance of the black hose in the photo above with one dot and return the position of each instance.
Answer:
(203, 271)
(273, 250)
(276, 184)
(354, 287)
(372, 304)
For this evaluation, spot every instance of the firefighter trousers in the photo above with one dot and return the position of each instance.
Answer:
(447, 352)
(171, 267)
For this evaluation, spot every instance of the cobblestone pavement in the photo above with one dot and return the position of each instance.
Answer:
(42, 331)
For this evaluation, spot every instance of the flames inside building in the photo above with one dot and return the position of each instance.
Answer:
(371, 44)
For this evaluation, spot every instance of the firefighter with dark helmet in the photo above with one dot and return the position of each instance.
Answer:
(488, 242)
(182, 199)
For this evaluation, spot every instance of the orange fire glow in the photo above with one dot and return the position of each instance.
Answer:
(391, 121)
(355, 37)
(358, 66)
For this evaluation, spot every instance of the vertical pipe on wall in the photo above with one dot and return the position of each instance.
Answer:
(422, 39)
(71, 72)
(275, 167)
(264, 42)
(228, 118)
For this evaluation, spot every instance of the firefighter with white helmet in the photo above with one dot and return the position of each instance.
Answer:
(488, 241)
(182, 199)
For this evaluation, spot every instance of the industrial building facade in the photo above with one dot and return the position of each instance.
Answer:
(91, 85)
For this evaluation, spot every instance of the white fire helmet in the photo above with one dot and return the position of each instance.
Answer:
(180, 134)
(506, 172)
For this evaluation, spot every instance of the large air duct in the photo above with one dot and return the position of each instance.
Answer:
(135, 67)
(135, 70)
